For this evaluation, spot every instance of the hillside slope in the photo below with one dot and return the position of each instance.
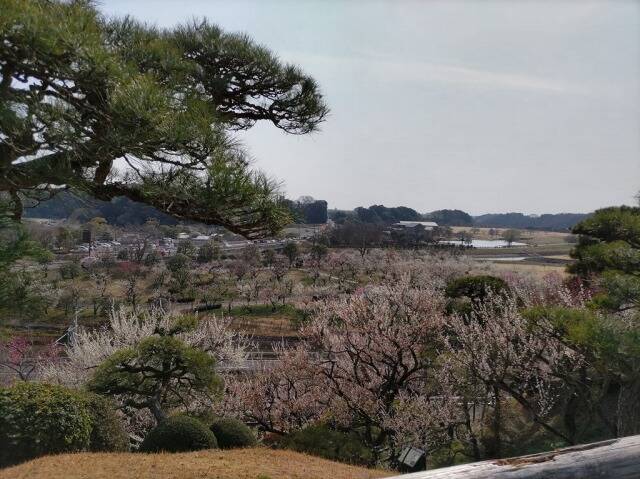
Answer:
(257, 463)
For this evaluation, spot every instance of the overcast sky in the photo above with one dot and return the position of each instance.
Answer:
(481, 105)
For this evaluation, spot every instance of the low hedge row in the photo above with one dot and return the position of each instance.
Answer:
(38, 419)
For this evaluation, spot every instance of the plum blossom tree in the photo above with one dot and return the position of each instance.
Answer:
(21, 356)
(551, 289)
(126, 331)
(359, 357)
(500, 348)
(279, 269)
(91, 347)
(317, 254)
(280, 399)
(342, 267)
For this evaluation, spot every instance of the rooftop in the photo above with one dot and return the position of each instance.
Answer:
(413, 224)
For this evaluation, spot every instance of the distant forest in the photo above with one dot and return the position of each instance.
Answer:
(555, 222)
(379, 214)
(122, 211)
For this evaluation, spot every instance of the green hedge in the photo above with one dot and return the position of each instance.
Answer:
(321, 440)
(232, 433)
(465, 292)
(475, 287)
(107, 432)
(178, 434)
(38, 419)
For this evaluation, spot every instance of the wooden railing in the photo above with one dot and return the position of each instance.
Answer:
(614, 459)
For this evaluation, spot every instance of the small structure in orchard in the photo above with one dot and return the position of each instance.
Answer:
(412, 459)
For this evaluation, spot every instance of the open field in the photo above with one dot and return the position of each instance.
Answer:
(548, 250)
(545, 252)
(263, 320)
(539, 261)
(538, 270)
(257, 463)
(534, 237)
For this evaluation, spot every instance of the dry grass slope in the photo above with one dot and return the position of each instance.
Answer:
(257, 463)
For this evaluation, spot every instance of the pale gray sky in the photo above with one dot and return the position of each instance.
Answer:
(481, 105)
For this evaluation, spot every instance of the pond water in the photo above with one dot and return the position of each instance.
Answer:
(484, 243)
(499, 258)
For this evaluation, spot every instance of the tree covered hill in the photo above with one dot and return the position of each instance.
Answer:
(450, 218)
(122, 211)
(376, 214)
(119, 211)
(380, 214)
(558, 222)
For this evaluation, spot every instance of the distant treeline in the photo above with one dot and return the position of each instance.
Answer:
(382, 215)
(308, 210)
(119, 211)
(450, 218)
(122, 211)
(556, 222)
(376, 214)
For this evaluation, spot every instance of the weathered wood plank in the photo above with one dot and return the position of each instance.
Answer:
(615, 459)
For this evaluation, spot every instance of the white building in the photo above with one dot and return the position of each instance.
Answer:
(200, 240)
(427, 225)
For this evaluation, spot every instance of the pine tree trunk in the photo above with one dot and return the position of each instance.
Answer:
(157, 411)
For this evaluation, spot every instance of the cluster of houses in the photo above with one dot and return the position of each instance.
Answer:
(94, 250)
(163, 246)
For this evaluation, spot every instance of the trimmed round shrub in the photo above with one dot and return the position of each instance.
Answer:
(107, 432)
(475, 287)
(232, 433)
(465, 292)
(179, 434)
(38, 419)
(70, 270)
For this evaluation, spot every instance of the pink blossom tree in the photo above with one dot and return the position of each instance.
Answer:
(361, 357)
(22, 356)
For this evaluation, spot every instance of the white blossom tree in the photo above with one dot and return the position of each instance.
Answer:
(90, 348)
(512, 357)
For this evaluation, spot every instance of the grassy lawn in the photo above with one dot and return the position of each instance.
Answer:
(256, 463)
